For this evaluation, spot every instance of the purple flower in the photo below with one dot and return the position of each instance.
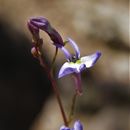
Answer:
(76, 64)
(77, 126)
(37, 23)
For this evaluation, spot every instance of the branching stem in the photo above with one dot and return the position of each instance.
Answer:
(54, 86)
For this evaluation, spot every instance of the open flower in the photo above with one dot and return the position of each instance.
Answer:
(76, 64)
(37, 23)
(77, 126)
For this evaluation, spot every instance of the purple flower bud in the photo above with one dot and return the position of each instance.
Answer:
(34, 30)
(77, 126)
(35, 52)
(64, 128)
(43, 24)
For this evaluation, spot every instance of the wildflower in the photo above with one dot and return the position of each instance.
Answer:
(76, 64)
(37, 23)
(77, 126)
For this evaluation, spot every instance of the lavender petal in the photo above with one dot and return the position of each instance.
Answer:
(78, 125)
(76, 48)
(90, 60)
(66, 53)
(65, 70)
(64, 128)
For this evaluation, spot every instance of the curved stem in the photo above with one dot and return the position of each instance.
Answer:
(53, 60)
(53, 82)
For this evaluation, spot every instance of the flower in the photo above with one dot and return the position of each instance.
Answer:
(77, 126)
(37, 23)
(76, 64)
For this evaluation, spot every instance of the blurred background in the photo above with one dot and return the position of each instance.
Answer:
(26, 98)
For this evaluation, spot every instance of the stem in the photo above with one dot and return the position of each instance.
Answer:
(53, 60)
(54, 86)
(78, 91)
(72, 108)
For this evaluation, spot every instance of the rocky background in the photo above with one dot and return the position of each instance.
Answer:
(26, 99)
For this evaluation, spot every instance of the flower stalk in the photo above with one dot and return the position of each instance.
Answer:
(54, 86)
(72, 110)
(34, 25)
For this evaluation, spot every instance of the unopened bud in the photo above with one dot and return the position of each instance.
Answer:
(35, 52)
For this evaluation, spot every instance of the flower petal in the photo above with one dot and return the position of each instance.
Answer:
(66, 69)
(70, 67)
(76, 48)
(90, 60)
(78, 126)
(82, 67)
(40, 22)
(66, 53)
(64, 128)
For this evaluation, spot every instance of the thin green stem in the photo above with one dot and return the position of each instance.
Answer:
(54, 58)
